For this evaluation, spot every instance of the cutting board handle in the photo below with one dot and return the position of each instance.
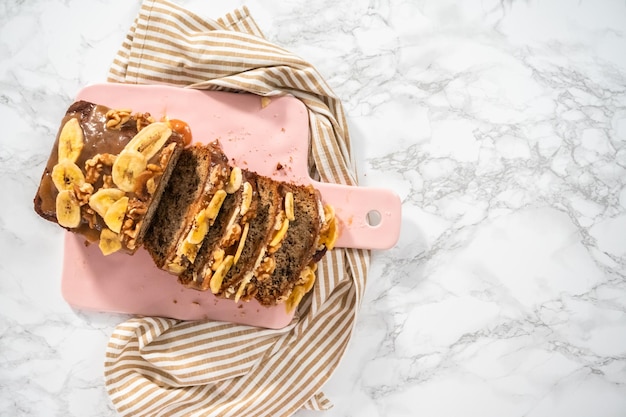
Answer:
(369, 217)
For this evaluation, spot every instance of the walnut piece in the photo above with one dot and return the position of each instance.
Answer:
(154, 168)
(232, 236)
(116, 118)
(107, 181)
(217, 258)
(141, 184)
(166, 153)
(143, 120)
(265, 268)
(136, 209)
(95, 165)
(151, 186)
(83, 192)
(90, 216)
(132, 223)
(250, 291)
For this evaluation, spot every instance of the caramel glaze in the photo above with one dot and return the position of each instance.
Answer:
(98, 139)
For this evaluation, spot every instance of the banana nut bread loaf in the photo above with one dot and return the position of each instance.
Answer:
(125, 180)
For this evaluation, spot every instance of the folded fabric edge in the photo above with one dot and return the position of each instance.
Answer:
(318, 402)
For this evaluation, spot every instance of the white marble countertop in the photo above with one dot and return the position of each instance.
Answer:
(502, 126)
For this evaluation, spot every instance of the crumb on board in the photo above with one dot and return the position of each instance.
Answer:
(265, 101)
(197, 304)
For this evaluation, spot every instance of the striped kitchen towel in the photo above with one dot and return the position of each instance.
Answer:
(165, 367)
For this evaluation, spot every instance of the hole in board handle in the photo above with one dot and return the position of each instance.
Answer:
(373, 218)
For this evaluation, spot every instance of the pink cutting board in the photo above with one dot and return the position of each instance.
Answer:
(271, 140)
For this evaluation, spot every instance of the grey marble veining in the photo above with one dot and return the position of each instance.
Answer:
(502, 126)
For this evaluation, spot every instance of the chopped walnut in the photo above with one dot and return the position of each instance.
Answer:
(151, 186)
(132, 223)
(217, 258)
(218, 176)
(143, 120)
(90, 216)
(232, 236)
(265, 268)
(141, 184)
(83, 192)
(262, 277)
(250, 291)
(116, 118)
(214, 176)
(154, 168)
(128, 223)
(130, 232)
(95, 165)
(206, 281)
(136, 209)
(92, 174)
(274, 249)
(166, 153)
(131, 244)
(107, 181)
(230, 291)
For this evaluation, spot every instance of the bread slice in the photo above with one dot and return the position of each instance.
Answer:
(261, 228)
(194, 275)
(223, 234)
(101, 179)
(200, 173)
(280, 271)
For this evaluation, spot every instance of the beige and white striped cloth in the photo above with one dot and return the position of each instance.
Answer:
(165, 367)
